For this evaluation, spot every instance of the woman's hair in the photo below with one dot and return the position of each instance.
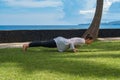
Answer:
(89, 37)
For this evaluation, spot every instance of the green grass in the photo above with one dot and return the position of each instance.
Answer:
(99, 61)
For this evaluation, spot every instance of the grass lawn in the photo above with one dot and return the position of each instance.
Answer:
(99, 61)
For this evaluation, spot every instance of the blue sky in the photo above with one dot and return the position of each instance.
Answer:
(55, 12)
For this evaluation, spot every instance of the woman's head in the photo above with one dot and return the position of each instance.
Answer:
(88, 39)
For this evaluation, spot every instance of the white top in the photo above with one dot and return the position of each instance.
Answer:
(64, 44)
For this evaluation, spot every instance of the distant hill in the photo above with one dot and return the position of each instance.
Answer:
(114, 22)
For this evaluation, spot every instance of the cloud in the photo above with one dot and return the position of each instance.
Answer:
(91, 10)
(87, 11)
(23, 15)
(32, 19)
(89, 7)
(108, 3)
(51, 11)
(115, 8)
(33, 3)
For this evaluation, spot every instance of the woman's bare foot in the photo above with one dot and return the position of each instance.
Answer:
(25, 46)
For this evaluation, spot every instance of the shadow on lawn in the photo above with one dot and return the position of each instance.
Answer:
(98, 46)
(39, 60)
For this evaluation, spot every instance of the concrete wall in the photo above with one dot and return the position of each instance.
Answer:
(34, 35)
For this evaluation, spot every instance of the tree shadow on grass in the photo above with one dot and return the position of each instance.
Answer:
(107, 46)
(39, 60)
(104, 46)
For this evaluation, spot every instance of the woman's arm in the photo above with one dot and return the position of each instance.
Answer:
(72, 47)
(75, 50)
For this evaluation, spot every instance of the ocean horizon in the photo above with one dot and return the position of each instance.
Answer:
(56, 27)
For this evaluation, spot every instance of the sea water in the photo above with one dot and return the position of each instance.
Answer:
(55, 27)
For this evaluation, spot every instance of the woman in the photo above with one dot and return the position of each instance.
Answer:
(61, 43)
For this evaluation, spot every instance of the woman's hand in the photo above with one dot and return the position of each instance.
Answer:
(75, 50)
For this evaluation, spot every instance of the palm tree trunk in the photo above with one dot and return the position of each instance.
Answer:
(94, 27)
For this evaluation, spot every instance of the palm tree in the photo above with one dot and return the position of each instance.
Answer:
(94, 27)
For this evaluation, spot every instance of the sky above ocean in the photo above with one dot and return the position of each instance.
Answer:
(55, 12)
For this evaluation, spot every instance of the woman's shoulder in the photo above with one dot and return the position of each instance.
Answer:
(79, 38)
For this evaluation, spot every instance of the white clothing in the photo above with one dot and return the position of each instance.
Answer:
(64, 44)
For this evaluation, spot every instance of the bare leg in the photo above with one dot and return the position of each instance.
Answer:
(49, 44)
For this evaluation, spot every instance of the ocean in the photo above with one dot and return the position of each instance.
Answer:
(55, 27)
